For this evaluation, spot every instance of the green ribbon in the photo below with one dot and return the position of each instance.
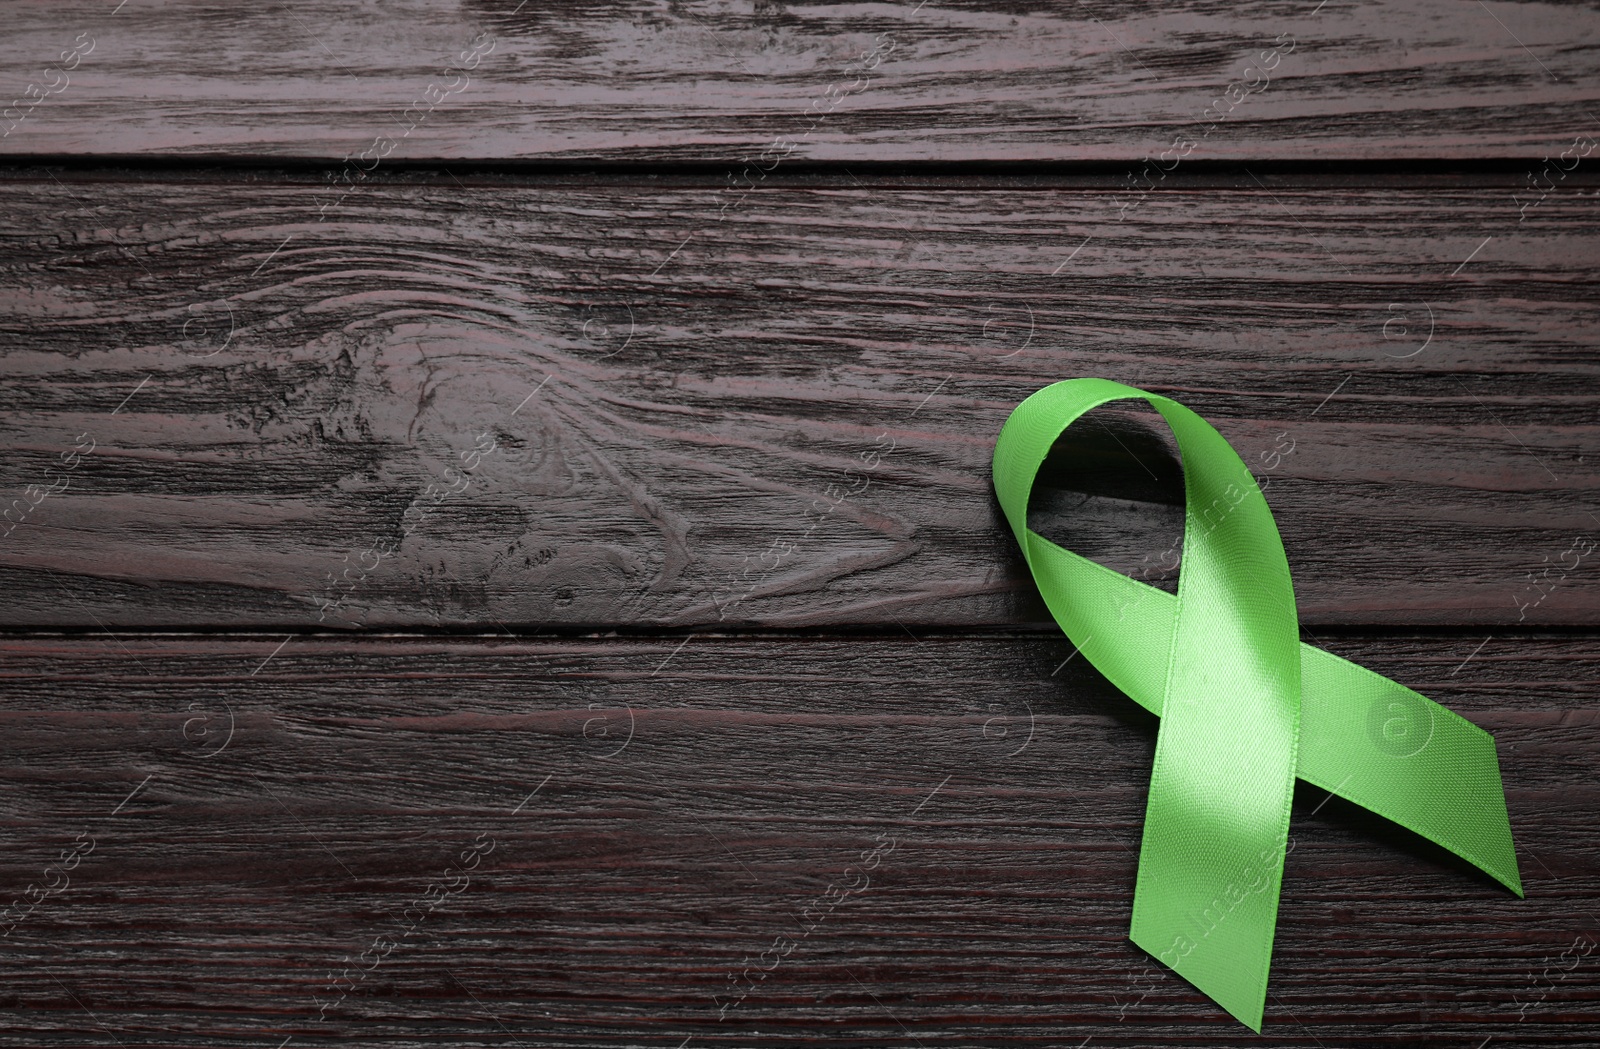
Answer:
(1245, 707)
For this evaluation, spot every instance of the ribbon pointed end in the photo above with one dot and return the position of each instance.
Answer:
(1248, 1009)
(1243, 999)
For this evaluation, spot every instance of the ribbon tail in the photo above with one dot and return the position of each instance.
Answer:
(1399, 754)
(1211, 864)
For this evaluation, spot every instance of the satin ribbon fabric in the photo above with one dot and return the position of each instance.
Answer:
(1245, 707)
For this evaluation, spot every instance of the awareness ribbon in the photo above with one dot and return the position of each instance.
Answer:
(1245, 707)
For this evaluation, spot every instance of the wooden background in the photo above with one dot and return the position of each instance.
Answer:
(715, 600)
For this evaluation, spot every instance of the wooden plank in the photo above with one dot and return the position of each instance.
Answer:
(261, 814)
(719, 82)
(493, 402)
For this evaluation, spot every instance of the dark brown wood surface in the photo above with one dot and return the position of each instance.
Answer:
(651, 82)
(267, 396)
(480, 569)
(261, 813)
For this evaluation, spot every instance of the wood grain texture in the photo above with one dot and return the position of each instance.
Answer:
(780, 416)
(260, 815)
(497, 534)
(652, 82)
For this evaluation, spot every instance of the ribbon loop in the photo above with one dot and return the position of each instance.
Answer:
(1245, 707)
